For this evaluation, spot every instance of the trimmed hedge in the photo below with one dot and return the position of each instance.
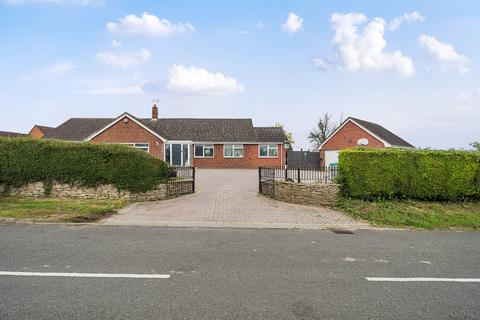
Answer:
(25, 160)
(410, 173)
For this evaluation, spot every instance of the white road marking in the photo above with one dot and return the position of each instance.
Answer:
(85, 275)
(380, 279)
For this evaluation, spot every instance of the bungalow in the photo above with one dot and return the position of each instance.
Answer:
(355, 132)
(204, 143)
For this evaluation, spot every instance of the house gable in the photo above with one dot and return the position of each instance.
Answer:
(348, 135)
(122, 118)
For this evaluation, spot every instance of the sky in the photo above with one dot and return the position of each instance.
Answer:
(411, 66)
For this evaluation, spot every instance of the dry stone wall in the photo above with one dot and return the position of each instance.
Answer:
(107, 191)
(315, 194)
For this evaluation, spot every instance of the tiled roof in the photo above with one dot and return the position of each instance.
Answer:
(45, 129)
(383, 133)
(182, 129)
(12, 134)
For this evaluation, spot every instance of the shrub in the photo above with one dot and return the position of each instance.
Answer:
(25, 160)
(410, 173)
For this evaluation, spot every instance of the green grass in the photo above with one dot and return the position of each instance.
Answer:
(415, 213)
(57, 210)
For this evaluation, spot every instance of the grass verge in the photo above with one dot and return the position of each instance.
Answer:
(414, 213)
(57, 210)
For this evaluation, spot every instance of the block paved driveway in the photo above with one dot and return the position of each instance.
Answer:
(229, 198)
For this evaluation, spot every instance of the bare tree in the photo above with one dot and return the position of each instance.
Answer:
(325, 127)
(476, 145)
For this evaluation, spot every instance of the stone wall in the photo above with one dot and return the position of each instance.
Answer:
(316, 194)
(107, 191)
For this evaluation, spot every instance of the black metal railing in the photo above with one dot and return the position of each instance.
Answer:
(323, 174)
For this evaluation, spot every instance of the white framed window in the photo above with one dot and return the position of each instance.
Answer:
(203, 151)
(268, 151)
(233, 150)
(144, 146)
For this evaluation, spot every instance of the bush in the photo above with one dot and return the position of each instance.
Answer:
(25, 160)
(410, 173)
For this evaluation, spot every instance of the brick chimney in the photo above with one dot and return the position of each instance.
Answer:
(154, 112)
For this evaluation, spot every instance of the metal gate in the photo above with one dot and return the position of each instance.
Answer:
(183, 181)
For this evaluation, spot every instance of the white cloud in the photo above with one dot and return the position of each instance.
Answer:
(410, 17)
(148, 24)
(365, 50)
(116, 44)
(444, 52)
(66, 2)
(323, 64)
(57, 69)
(115, 90)
(196, 80)
(293, 24)
(259, 25)
(124, 60)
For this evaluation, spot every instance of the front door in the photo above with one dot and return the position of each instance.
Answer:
(176, 154)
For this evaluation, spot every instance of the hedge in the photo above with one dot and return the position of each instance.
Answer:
(25, 160)
(410, 173)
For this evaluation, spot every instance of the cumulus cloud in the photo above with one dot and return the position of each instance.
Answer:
(124, 60)
(293, 24)
(409, 17)
(365, 50)
(148, 24)
(194, 80)
(57, 69)
(444, 52)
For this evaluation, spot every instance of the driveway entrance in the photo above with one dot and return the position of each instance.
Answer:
(229, 198)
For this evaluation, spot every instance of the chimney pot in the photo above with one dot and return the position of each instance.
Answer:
(154, 112)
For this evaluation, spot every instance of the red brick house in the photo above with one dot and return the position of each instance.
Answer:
(38, 132)
(204, 143)
(355, 132)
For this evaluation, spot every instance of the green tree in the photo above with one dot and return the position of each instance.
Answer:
(288, 134)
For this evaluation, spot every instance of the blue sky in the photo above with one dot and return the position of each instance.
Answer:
(411, 66)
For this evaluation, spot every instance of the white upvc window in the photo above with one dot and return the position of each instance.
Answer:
(204, 151)
(144, 146)
(268, 151)
(233, 150)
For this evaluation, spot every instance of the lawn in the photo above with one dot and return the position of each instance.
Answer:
(414, 213)
(56, 210)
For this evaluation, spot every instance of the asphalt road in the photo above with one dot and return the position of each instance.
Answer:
(236, 273)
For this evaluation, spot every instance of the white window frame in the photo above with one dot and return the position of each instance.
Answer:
(269, 146)
(203, 150)
(134, 145)
(189, 152)
(234, 146)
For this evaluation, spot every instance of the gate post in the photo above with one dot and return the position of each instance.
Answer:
(298, 174)
(193, 176)
(260, 179)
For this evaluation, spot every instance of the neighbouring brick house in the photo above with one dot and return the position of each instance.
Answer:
(38, 132)
(355, 132)
(204, 143)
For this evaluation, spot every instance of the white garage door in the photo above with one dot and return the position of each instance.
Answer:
(331, 157)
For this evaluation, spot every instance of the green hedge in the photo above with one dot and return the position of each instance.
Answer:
(25, 160)
(410, 173)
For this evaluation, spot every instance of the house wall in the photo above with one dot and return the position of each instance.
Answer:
(36, 133)
(250, 158)
(130, 132)
(347, 137)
